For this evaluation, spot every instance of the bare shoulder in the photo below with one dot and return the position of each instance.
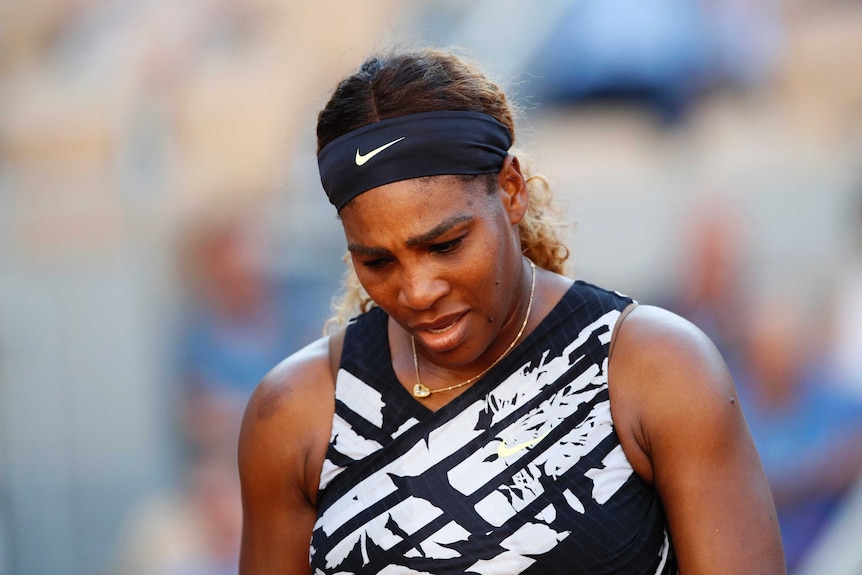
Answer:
(665, 374)
(287, 421)
(650, 330)
(677, 354)
(302, 373)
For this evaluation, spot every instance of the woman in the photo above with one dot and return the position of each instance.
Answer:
(484, 413)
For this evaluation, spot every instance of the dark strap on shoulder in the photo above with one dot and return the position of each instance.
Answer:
(628, 309)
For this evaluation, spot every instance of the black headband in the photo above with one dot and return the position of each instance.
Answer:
(414, 146)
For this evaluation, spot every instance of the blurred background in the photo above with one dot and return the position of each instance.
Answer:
(164, 239)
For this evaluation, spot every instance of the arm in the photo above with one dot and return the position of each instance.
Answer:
(282, 445)
(681, 426)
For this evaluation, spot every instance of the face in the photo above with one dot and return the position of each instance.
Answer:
(442, 258)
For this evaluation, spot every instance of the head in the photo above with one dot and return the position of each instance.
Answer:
(222, 260)
(776, 350)
(388, 88)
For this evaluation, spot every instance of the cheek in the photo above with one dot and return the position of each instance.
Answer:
(486, 280)
(375, 285)
(381, 286)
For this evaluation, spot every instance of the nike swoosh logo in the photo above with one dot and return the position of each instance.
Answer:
(361, 159)
(506, 451)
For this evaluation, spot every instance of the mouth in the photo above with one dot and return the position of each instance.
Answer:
(444, 329)
(440, 325)
(442, 334)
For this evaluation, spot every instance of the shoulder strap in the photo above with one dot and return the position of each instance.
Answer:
(626, 311)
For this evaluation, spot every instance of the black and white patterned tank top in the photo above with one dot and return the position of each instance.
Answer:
(522, 473)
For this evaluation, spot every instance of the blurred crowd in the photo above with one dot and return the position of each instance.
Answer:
(183, 131)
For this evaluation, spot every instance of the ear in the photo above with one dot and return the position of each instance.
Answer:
(513, 189)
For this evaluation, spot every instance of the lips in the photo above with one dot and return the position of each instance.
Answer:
(440, 330)
(440, 325)
(441, 334)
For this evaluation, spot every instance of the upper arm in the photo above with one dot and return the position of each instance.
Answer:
(282, 443)
(680, 422)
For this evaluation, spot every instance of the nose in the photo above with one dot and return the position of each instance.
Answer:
(420, 287)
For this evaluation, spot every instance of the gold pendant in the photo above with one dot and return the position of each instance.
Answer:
(420, 390)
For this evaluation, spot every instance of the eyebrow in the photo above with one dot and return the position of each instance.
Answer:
(367, 251)
(413, 241)
(439, 229)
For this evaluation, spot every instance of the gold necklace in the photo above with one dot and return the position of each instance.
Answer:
(421, 391)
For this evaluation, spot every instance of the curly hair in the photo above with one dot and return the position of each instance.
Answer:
(388, 86)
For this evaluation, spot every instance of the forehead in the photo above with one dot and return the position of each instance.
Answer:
(413, 205)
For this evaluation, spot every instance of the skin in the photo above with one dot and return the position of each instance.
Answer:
(434, 254)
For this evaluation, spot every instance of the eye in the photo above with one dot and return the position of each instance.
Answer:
(376, 264)
(447, 247)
